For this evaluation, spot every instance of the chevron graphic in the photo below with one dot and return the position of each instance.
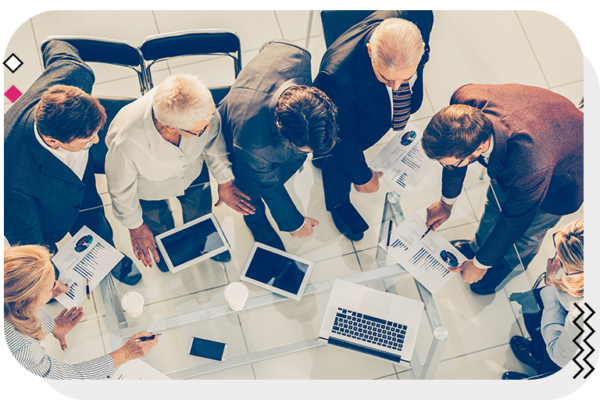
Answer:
(585, 340)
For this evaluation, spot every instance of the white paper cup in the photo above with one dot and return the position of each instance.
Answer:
(133, 304)
(236, 294)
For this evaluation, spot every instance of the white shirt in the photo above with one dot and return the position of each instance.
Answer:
(411, 82)
(141, 164)
(75, 160)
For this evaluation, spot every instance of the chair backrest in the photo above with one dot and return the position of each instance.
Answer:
(336, 22)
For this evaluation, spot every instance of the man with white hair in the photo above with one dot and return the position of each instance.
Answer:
(374, 74)
(158, 147)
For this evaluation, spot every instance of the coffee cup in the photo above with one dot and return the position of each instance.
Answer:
(133, 304)
(236, 294)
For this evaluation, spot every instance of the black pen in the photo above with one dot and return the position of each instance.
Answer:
(426, 232)
(387, 248)
(143, 339)
(87, 289)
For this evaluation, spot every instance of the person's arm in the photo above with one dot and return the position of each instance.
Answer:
(215, 152)
(22, 220)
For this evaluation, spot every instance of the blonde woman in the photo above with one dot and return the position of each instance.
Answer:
(29, 283)
(551, 345)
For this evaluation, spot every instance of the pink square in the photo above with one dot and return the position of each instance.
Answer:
(13, 94)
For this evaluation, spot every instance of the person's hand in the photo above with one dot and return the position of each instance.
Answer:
(132, 350)
(307, 229)
(469, 272)
(551, 268)
(64, 323)
(372, 186)
(142, 241)
(59, 289)
(437, 214)
(234, 198)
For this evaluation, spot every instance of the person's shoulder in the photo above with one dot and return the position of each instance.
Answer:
(128, 124)
(14, 339)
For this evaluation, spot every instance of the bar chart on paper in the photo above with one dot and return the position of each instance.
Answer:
(90, 262)
(426, 261)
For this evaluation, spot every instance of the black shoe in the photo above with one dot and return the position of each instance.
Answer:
(222, 257)
(523, 349)
(126, 272)
(493, 281)
(464, 247)
(264, 233)
(318, 163)
(341, 227)
(514, 376)
(162, 265)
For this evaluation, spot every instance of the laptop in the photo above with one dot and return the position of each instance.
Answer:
(371, 322)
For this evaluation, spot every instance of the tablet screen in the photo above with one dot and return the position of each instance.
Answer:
(277, 271)
(192, 242)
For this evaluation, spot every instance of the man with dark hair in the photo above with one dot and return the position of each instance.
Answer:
(49, 184)
(531, 142)
(272, 119)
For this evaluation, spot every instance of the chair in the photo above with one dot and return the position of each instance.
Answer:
(193, 42)
(113, 52)
(336, 22)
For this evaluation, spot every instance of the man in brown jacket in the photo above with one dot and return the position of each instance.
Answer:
(531, 142)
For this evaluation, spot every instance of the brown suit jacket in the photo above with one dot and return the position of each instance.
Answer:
(537, 157)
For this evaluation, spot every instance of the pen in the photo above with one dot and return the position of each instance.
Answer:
(87, 289)
(143, 339)
(426, 232)
(387, 248)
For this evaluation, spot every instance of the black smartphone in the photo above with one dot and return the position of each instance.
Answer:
(354, 223)
(207, 349)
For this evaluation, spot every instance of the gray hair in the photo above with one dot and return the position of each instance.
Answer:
(397, 44)
(182, 101)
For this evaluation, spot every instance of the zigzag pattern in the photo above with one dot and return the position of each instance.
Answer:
(585, 340)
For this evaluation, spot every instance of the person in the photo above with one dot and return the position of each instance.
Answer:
(49, 183)
(552, 330)
(531, 142)
(28, 285)
(272, 118)
(373, 73)
(159, 147)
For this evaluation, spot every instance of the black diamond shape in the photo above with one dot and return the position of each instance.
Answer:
(9, 68)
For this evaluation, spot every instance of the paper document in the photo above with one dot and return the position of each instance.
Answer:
(427, 260)
(137, 370)
(403, 161)
(86, 256)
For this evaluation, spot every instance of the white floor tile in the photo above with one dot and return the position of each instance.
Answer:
(7, 107)
(294, 24)
(316, 47)
(84, 343)
(22, 44)
(243, 372)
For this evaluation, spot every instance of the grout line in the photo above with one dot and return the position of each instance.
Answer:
(278, 24)
(565, 84)
(101, 337)
(35, 44)
(532, 50)
(245, 343)
(155, 22)
(428, 99)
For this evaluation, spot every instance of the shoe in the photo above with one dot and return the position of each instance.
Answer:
(126, 271)
(162, 266)
(341, 227)
(318, 163)
(222, 257)
(464, 247)
(493, 281)
(514, 376)
(522, 348)
(264, 233)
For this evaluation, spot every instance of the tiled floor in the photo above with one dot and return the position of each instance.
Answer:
(535, 39)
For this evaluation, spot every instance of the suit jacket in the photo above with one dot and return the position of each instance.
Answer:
(42, 196)
(364, 112)
(537, 156)
(260, 154)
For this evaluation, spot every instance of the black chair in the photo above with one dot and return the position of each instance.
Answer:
(113, 52)
(194, 42)
(336, 22)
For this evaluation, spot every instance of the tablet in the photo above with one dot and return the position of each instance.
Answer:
(277, 271)
(192, 243)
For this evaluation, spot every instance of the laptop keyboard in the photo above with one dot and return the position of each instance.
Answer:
(369, 329)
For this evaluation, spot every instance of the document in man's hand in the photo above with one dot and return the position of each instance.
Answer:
(137, 370)
(403, 161)
(86, 256)
(427, 259)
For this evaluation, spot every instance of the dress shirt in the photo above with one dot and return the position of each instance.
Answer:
(411, 82)
(141, 164)
(75, 160)
(32, 356)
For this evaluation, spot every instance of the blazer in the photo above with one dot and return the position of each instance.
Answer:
(364, 112)
(537, 157)
(260, 153)
(42, 196)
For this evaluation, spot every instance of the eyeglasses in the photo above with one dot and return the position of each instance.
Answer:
(451, 167)
(195, 134)
(559, 261)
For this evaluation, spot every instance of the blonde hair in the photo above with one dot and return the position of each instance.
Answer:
(397, 44)
(27, 270)
(182, 101)
(569, 249)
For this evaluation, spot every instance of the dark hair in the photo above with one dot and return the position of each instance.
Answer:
(306, 117)
(65, 113)
(456, 131)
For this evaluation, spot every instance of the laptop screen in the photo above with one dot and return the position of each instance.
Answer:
(192, 242)
(277, 270)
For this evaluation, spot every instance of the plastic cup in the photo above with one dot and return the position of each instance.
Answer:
(236, 294)
(133, 304)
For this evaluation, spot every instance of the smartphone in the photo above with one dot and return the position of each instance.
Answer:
(354, 223)
(207, 349)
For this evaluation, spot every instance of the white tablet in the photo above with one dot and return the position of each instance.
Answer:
(192, 243)
(277, 271)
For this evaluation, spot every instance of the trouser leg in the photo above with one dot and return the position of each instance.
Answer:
(197, 200)
(245, 185)
(336, 184)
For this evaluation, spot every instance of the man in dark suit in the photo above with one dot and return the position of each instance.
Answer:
(531, 141)
(49, 183)
(374, 74)
(271, 120)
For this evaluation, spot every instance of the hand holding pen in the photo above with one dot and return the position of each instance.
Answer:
(437, 214)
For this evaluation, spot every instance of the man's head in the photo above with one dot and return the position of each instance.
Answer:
(69, 118)
(183, 104)
(306, 117)
(457, 135)
(395, 48)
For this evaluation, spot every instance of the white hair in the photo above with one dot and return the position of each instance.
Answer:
(397, 44)
(183, 101)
